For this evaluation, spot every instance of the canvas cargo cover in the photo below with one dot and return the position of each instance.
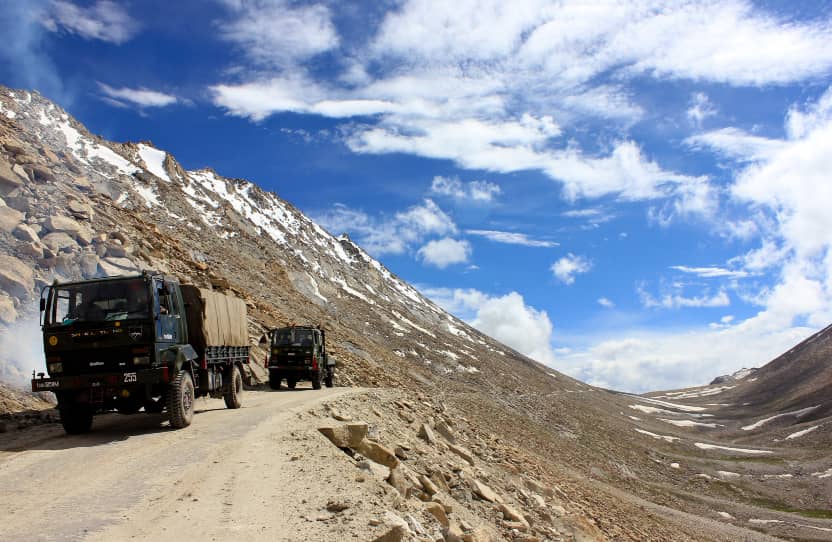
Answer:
(214, 319)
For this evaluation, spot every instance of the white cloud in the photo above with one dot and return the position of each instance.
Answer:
(676, 301)
(786, 184)
(710, 272)
(489, 86)
(640, 361)
(388, 235)
(475, 191)
(141, 97)
(444, 252)
(104, 20)
(736, 144)
(511, 238)
(604, 302)
(700, 108)
(506, 318)
(570, 265)
(278, 33)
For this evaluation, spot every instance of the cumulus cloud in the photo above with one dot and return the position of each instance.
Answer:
(104, 20)
(506, 318)
(487, 95)
(785, 183)
(141, 97)
(278, 33)
(385, 234)
(570, 265)
(511, 238)
(444, 252)
(474, 191)
(639, 361)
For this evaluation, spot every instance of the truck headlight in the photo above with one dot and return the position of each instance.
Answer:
(141, 360)
(57, 367)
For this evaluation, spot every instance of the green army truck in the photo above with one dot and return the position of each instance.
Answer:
(299, 353)
(142, 341)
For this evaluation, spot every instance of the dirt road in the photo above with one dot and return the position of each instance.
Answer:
(232, 474)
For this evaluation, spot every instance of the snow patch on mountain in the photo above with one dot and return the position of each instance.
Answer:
(154, 160)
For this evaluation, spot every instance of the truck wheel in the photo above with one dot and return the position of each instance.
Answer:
(291, 383)
(76, 418)
(274, 380)
(181, 400)
(316, 380)
(235, 389)
(329, 376)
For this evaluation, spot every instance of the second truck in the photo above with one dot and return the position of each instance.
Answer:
(143, 341)
(299, 353)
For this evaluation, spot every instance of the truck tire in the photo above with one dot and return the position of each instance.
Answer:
(181, 400)
(291, 383)
(76, 418)
(235, 389)
(316, 380)
(274, 380)
(330, 374)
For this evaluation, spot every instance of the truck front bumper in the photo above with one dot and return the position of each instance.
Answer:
(101, 380)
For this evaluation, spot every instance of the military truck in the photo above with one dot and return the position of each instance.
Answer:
(299, 353)
(143, 341)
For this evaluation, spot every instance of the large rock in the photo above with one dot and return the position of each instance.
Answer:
(398, 481)
(62, 223)
(443, 429)
(484, 492)
(9, 219)
(378, 453)
(33, 250)
(464, 453)
(9, 180)
(436, 510)
(113, 267)
(345, 436)
(80, 210)
(16, 277)
(24, 232)
(395, 529)
(89, 264)
(427, 434)
(58, 241)
(512, 514)
(42, 174)
(21, 203)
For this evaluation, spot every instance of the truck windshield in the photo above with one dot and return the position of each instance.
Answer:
(98, 302)
(293, 337)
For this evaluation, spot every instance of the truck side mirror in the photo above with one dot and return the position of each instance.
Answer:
(42, 304)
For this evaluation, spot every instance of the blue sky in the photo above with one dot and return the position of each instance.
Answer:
(635, 193)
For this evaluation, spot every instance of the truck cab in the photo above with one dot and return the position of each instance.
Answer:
(299, 353)
(122, 343)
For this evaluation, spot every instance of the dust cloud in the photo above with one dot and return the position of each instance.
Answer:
(21, 352)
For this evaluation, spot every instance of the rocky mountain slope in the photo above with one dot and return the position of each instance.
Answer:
(73, 205)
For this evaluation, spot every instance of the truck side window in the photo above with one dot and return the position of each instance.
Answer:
(164, 301)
